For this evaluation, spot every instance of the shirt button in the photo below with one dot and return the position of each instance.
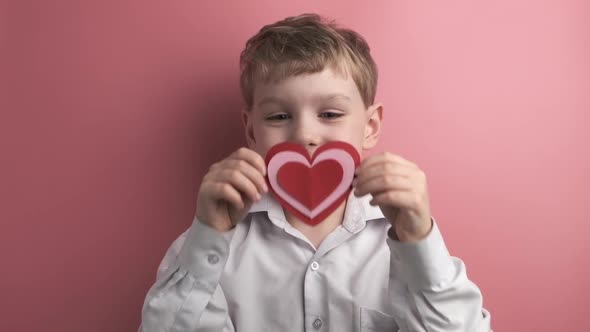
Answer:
(315, 266)
(317, 324)
(213, 259)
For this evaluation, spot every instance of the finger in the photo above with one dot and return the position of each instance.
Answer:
(382, 184)
(252, 173)
(386, 157)
(252, 157)
(225, 191)
(240, 182)
(367, 173)
(399, 199)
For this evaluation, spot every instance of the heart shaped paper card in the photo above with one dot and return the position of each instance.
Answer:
(311, 187)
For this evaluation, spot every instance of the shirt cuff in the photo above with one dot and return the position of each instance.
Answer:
(205, 252)
(423, 264)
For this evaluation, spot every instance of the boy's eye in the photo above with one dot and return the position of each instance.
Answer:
(330, 115)
(278, 117)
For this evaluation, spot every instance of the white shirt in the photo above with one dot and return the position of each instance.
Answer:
(264, 275)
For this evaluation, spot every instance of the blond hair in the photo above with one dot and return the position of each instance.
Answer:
(306, 44)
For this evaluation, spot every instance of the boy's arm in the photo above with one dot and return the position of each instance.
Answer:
(438, 295)
(186, 294)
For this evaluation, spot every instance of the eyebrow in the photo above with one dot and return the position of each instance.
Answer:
(328, 97)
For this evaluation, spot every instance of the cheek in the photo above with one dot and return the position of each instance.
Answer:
(266, 139)
(353, 131)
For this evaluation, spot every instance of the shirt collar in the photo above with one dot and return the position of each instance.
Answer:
(357, 212)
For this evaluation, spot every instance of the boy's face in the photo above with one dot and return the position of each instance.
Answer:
(311, 109)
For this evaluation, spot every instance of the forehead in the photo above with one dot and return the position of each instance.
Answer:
(322, 86)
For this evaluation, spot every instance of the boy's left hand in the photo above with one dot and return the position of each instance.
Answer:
(399, 187)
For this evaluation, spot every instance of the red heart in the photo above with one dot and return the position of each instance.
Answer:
(311, 187)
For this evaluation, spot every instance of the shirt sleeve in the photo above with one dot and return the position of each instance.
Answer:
(186, 295)
(430, 290)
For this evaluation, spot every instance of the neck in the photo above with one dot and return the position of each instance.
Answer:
(316, 234)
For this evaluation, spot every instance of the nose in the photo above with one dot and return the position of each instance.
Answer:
(305, 133)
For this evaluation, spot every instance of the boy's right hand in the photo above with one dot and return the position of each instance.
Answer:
(229, 188)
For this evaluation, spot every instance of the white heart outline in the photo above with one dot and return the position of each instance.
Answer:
(342, 157)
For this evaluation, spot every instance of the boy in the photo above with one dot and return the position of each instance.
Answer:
(377, 263)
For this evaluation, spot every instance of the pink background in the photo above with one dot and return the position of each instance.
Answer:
(111, 112)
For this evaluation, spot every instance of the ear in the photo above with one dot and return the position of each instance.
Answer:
(373, 126)
(248, 128)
